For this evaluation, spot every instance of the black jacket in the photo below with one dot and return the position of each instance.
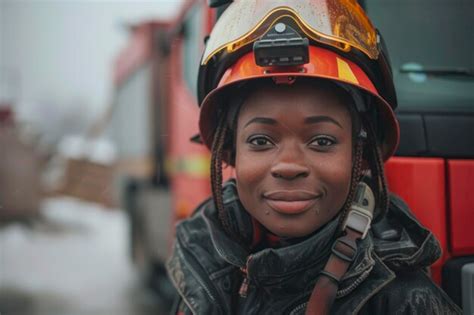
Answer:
(386, 277)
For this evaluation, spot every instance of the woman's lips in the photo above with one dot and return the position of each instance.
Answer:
(290, 202)
(290, 207)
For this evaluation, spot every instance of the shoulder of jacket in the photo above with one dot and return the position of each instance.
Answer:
(229, 192)
(398, 204)
(411, 293)
(402, 242)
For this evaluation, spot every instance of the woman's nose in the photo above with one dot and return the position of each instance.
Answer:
(290, 165)
(289, 170)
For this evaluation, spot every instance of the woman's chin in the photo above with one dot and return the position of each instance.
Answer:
(287, 231)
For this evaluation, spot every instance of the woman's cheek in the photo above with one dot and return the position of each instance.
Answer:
(249, 168)
(338, 180)
(249, 175)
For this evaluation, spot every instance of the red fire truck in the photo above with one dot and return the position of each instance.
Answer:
(165, 175)
(162, 175)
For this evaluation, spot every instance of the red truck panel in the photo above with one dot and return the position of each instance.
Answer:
(421, 183)
(461, 203)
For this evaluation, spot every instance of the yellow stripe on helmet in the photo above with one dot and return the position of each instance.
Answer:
(345, 71)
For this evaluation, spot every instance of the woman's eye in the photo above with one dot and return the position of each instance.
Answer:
(323, 141)
(259, 141)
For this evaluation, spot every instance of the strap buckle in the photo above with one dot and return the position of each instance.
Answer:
(358, 221)
(360, 215)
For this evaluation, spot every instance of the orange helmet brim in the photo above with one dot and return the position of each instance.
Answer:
(323, 64)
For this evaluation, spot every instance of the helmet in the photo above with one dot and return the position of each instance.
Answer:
(287, 39)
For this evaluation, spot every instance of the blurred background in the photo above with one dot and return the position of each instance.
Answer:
(97, 110)
(64, 237)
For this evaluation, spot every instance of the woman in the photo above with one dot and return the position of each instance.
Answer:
(297, 96)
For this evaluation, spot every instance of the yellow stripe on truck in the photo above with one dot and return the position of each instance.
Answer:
(198, 166)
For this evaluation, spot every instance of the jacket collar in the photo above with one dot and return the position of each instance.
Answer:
(204, 241)
(272, 265)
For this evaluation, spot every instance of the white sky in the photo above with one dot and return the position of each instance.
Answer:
(56, 56)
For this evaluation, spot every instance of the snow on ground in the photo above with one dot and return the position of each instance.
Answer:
(76, 254)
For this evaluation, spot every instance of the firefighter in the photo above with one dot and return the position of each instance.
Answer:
(298, 97)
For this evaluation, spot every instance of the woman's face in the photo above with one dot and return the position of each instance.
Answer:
(293, 157)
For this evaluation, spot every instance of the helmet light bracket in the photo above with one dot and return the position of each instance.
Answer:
(281, 46)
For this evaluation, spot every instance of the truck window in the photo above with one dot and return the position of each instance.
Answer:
(433, 39)
(193, 44)
(131, 109)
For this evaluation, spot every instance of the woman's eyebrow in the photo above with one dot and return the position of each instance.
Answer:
(318, 119)
(261, 120)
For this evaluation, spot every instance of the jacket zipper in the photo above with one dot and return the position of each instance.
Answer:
(299, 305)
(244, 287)
(194, 267)
(299, 308)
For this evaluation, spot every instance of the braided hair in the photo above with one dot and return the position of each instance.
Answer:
(366, 147)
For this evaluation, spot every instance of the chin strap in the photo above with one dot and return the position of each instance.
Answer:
(343, 251)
